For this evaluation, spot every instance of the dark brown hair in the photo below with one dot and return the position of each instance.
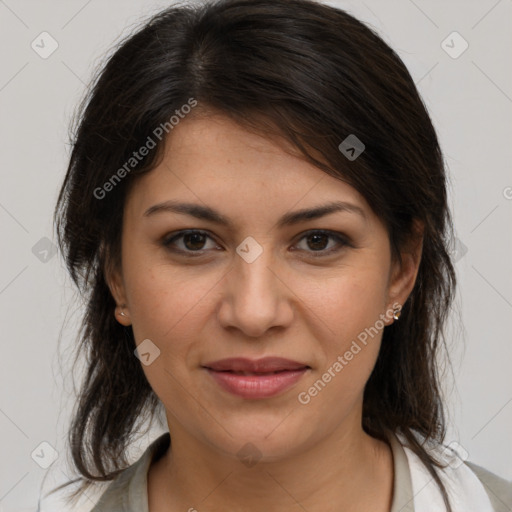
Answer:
(305, 71)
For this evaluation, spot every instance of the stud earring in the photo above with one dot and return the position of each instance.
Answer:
(397, 312)
(122, 313)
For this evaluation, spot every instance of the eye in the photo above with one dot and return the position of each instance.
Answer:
(318, 240)
(194, 241)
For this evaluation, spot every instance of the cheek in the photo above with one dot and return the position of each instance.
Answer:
(169, 305)
(165, 303)
(349, 304)
(346, 302)
(166, 306)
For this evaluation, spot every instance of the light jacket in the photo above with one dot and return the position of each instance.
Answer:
(471, 487)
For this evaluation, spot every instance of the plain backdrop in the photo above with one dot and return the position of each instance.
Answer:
(468, 92)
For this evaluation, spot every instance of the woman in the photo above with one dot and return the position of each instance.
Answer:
(255, 209)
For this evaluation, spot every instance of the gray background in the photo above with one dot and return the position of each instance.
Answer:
(470, 101)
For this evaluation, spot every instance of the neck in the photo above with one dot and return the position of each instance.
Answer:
(348, 471)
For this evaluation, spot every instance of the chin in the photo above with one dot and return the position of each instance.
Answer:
(267, 440)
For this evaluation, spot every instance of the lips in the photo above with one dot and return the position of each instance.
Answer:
(256, 379)
(255, 366)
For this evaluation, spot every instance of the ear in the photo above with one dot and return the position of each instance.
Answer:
(403, 276)
(114, 279)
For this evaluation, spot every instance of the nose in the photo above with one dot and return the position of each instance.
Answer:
(256, 297)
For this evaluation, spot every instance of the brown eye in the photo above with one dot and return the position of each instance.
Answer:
(318, 241)
(192, 241)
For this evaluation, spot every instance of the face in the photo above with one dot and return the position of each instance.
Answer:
(316, 291)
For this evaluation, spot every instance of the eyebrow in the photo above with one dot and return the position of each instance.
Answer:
(289, 219)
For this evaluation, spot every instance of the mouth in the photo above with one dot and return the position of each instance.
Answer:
(255, 366)
(251, 373)
(256, 379)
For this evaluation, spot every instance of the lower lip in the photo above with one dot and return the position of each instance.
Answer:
(257, 386)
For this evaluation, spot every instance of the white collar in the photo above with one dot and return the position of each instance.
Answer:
(466, 492)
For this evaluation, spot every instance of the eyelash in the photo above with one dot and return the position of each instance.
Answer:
(341, 240)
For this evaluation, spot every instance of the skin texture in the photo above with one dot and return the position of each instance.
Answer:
(286, 303)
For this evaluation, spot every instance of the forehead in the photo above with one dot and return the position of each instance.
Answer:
(214, 161)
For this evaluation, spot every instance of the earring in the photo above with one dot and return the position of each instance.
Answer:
(120, 313)
(397, 312)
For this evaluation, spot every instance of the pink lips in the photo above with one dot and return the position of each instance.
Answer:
(256, 379)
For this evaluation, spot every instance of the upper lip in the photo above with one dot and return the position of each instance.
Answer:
(266, 364)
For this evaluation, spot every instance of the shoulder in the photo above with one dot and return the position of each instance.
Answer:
(114, 497)
(125, 488)
(498, 489)
(128, 491)
(460, 476)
